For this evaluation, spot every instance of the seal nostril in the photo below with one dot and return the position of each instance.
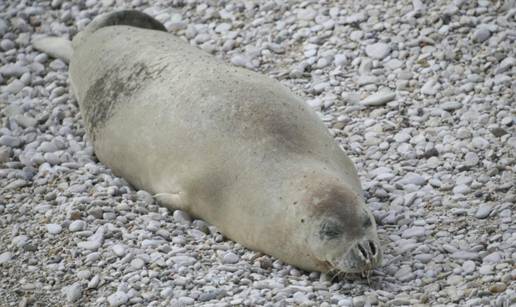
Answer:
(363, 252)
(372, 246)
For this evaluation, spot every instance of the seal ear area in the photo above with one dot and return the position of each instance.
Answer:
(126, 18)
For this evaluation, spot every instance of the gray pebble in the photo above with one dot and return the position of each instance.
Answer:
(54, 228)
(182, 217)
(5, 257)
(7, 44)
(230, 258)
(378, 50)
(77, 225)
(379, 98)
(118, 298)
(73, 292)
(481, 34)
(483, 211)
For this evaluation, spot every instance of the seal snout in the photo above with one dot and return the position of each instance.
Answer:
(363, 256)
(367, 253)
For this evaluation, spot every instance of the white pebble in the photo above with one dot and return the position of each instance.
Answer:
(118, 298)
(54, 228)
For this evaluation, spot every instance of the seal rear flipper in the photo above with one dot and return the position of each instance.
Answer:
(57, 47)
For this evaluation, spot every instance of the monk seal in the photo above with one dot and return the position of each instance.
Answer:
(223, 143)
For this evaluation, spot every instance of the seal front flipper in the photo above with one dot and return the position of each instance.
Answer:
(172, 201)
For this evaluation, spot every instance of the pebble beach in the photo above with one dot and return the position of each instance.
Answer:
(419, 94)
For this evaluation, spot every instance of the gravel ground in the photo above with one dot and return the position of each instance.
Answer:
(421, 96)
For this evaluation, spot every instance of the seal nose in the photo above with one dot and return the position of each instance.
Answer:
(367, 254)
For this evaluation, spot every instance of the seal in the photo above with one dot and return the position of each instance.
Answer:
(223, 143)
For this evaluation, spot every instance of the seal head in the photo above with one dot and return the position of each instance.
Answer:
(339, 229)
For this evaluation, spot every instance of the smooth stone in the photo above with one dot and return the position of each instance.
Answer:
(54, 228)
(118, 249)
(306, 14)
(20, 241)
(379, 98)
(182, 217)
(137, 263)
(90, 245)
(7, 44)
(94, 282)
(230, 258)
(73, 292)
(483, 211)
(118, 298)
(468, 266)
(498, 287)
(14, 86)
(77, 225)
(481, 34)
(412, 232)
(465, 255)
(492, 258)
(5, 257)
(378, 50)
(413, 178)
(340, 59)
(167, 292)
(451, 106)
(430, 88)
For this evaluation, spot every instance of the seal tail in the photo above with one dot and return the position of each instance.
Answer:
(61, 48)
(57, 47)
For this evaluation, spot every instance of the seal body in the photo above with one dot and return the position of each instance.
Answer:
(225, 144)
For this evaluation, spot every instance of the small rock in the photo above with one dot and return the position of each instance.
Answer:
(505, 65)
(481, 34)
(7, 44)
(5, 154)
(14, 86)
(359, 301)
(483, 211)
(378, 50)
(182, 217)
(416, 231)
(340, 59)
(10, 141)
(167, 292)
(465, 255)
(413, 178)
(20, 241)
(118, 298)
(379, 98)
(230, 258)
(54, 228)
(118, 249)
(5, 257)
(77, 225)
(498, 132)
(430, 88)
(137, 263)
(498, 287)
(492, 258)
(468, 266)
(72, 293)
(306, 14)
(451, 106)
(94, 282)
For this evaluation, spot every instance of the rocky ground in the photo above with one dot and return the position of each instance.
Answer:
(421, 96)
